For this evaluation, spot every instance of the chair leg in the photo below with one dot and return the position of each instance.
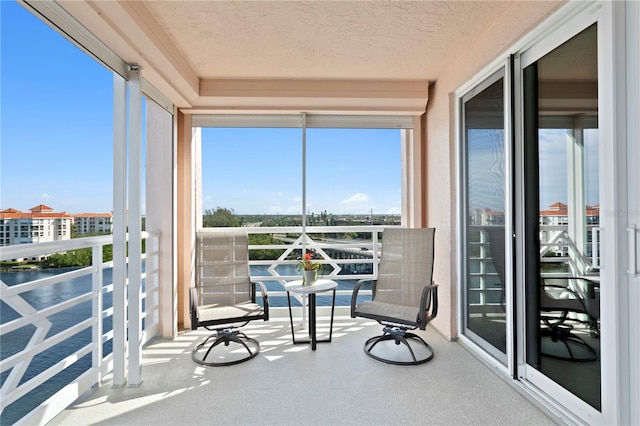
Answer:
(226, 336)
(398, 335)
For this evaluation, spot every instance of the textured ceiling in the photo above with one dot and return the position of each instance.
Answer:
(323, 39)
(320, 56)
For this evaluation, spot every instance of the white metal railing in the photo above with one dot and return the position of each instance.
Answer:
(334, 246)
(487, 289)
(81, 343)
(556, 239)
(567, 260)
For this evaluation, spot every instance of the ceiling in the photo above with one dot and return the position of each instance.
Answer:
(323, 39)
(290, 55)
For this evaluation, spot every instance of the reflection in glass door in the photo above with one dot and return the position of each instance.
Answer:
(483, 159)
(562, 216)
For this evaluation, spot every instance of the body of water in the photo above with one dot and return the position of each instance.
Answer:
(17, 340)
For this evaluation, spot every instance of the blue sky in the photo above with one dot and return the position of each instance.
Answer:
(57, 142)
(56, 120)
(553, 167)
(353, 171)
(487, 173)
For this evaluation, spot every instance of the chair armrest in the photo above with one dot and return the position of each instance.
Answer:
(265, 297)
(193, 307)
(581, 299)
(591, 285)
(354, 295)
(428, 303)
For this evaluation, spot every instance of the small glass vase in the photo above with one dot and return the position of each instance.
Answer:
(309, 277)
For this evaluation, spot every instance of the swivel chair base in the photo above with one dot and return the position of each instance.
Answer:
(562, 333)
(226, 336)
(399, 335)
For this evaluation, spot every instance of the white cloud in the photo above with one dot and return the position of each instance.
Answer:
(358, 203)
(292, 210)
(355, 199)
(45, 196)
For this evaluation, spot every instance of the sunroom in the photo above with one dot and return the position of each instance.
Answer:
(510, 126)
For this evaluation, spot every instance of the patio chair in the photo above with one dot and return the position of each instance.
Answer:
(495, 238)
(224, 299)
(404, 297)
(562, 308)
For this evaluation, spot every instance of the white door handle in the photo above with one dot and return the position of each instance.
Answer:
(632, 269)
(595, 248)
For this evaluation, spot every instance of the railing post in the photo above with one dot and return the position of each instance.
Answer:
(97, 308)
(374, 249)
(483, 268)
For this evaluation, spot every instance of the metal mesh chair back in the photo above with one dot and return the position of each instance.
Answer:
(222, 268)
(495, 236)
(406, 265)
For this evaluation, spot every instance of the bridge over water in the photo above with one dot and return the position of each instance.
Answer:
(341, 249)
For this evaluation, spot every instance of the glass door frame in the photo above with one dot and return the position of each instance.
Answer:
(503, 362)
(563, 25)
(571, 405)
(632, 61)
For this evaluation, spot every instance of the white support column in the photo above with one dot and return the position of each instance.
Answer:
(196, 147)
(135, 228)
(412, 176)
(119, 230)
(304, 183)
(576, 196)
(405, 150)
(185, 223)
(305, 298)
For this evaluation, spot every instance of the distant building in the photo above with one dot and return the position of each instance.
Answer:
(556, 218)
(40, 225)
(557, 214)
(487, 217)
(93, 223)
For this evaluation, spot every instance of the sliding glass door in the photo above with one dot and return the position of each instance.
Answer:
(554, 271)
(484, 207)
(543, 245)
(562, 240)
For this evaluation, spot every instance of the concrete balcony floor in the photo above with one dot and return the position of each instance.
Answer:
(290, 384)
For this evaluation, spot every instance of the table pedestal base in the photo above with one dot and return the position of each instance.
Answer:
(312, 321)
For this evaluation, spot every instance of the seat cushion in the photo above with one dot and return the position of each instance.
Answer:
(388, 312)
(220, 314)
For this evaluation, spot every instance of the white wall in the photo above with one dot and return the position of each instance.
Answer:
(517, 20)
(160, 207)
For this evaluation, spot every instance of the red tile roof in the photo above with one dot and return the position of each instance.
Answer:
(34, 214)
(560, 209)
(41, 208)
